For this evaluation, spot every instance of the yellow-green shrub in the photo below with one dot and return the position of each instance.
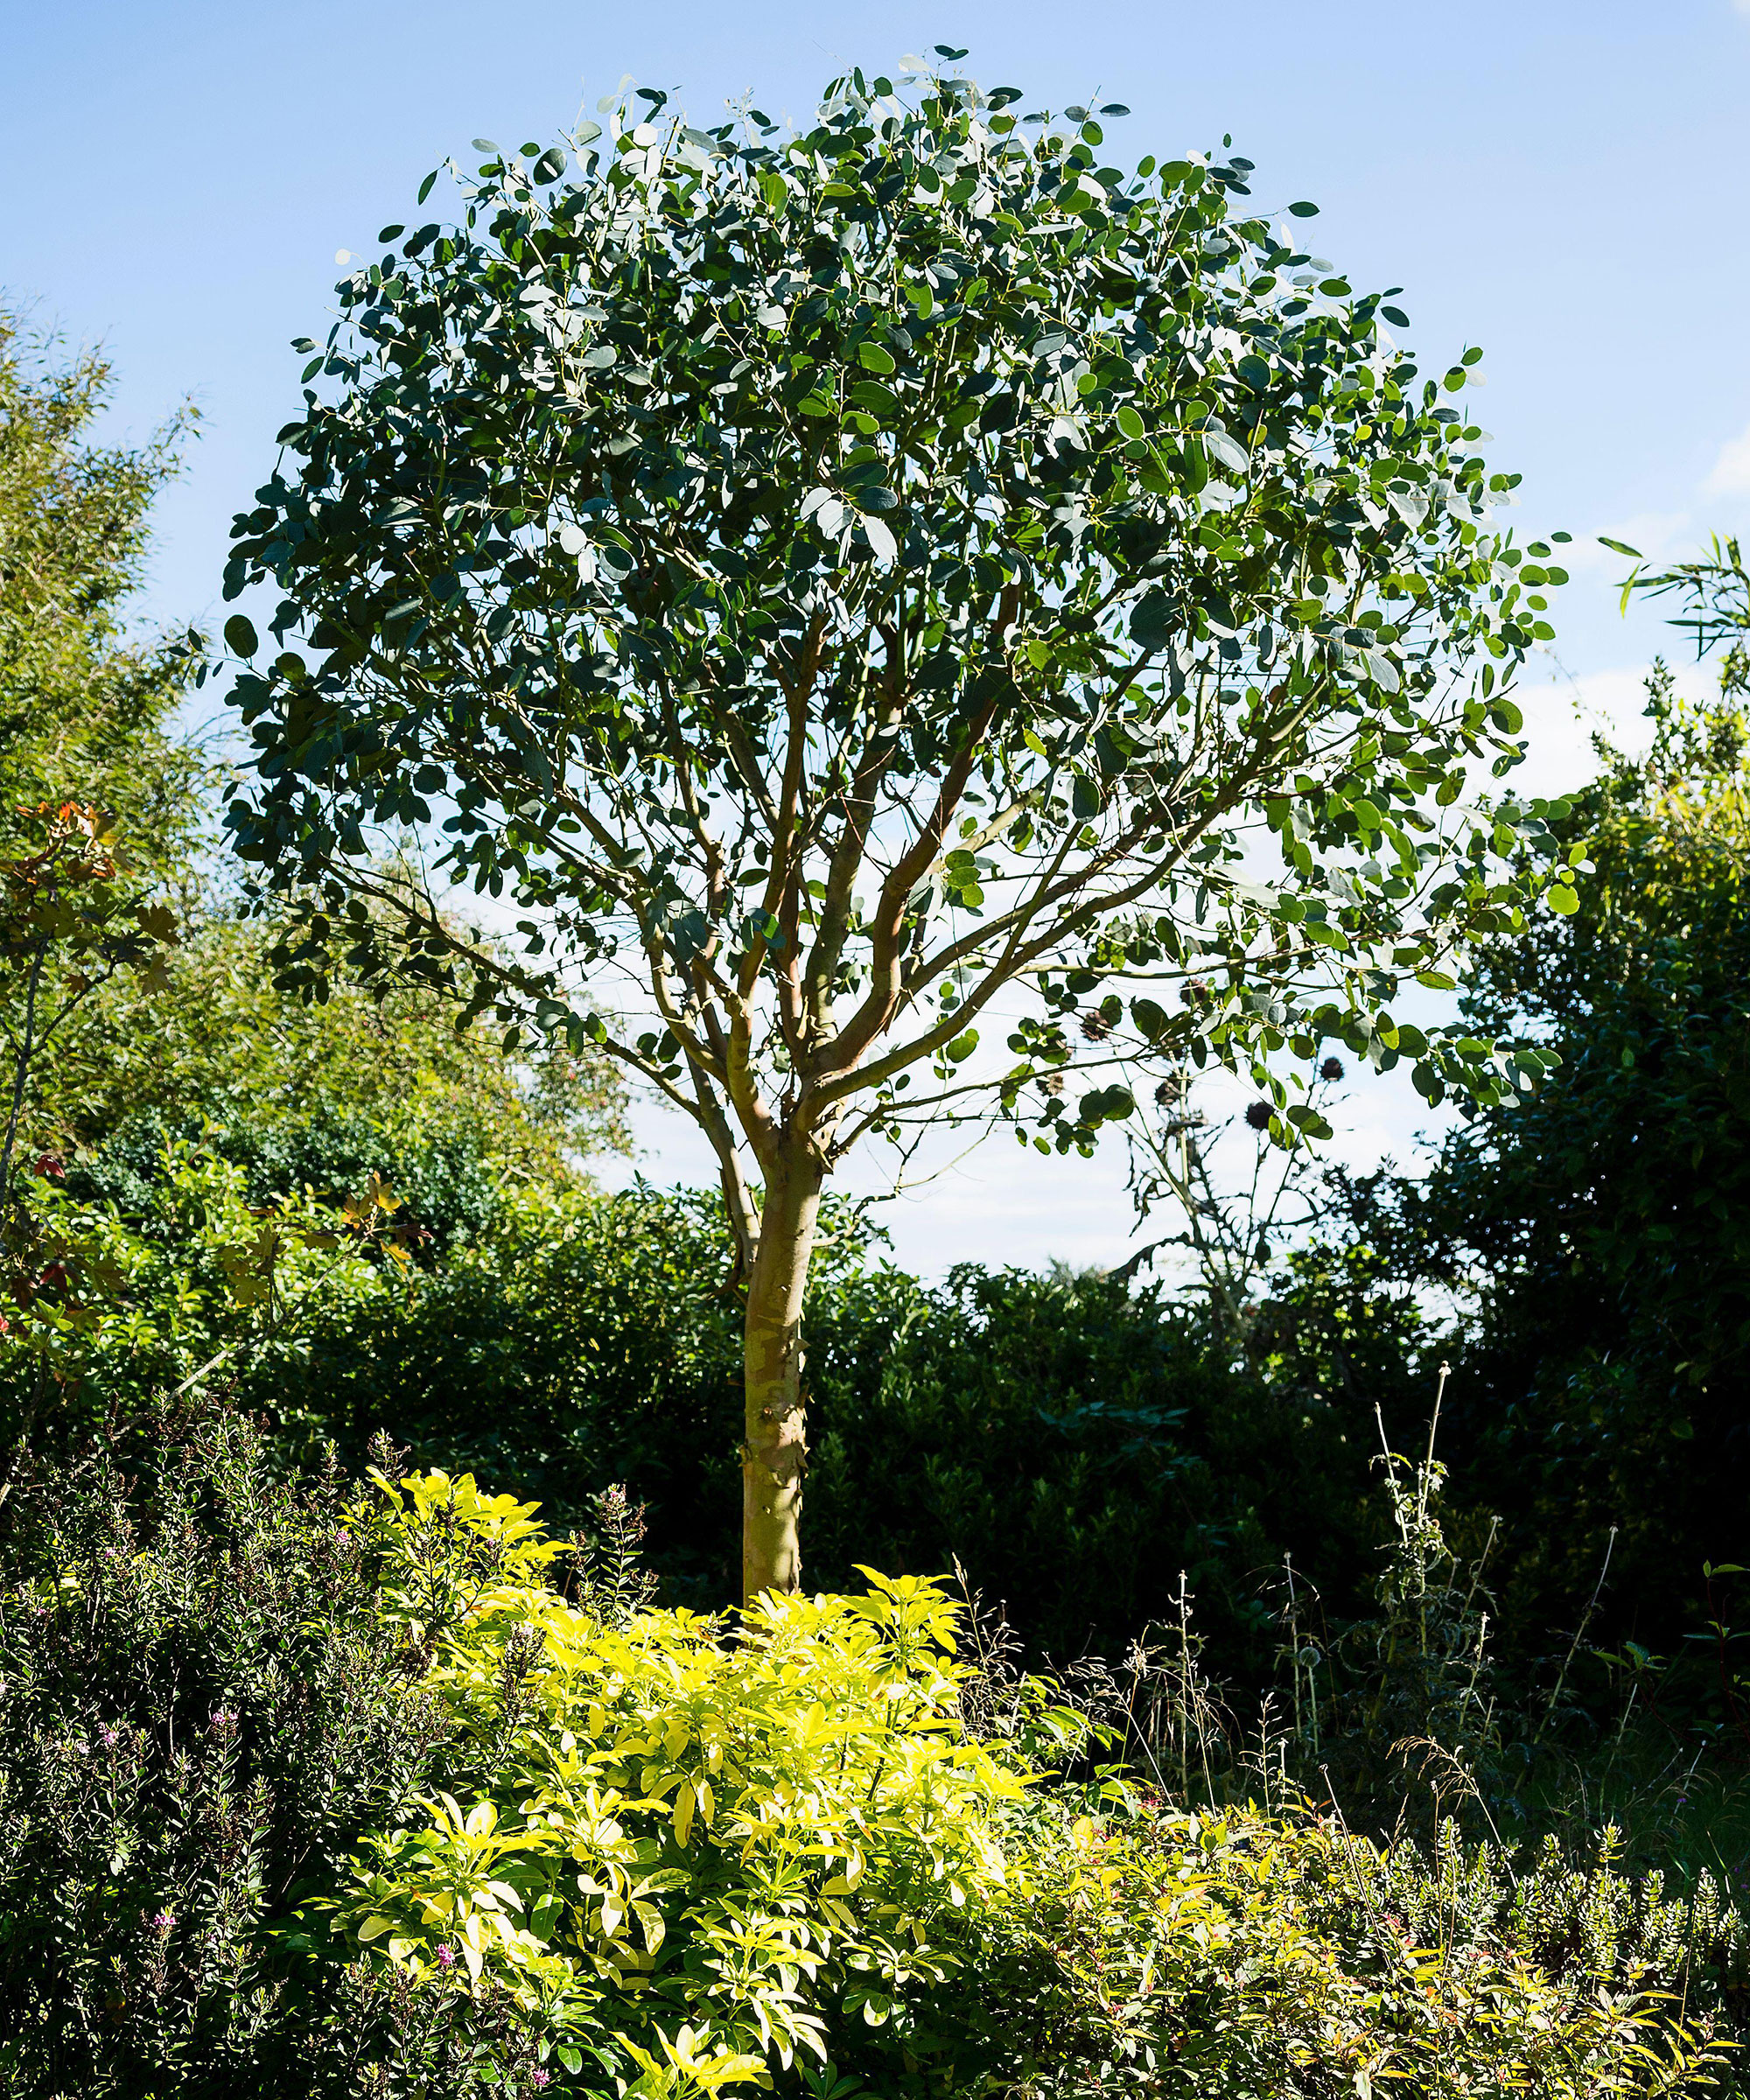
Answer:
(1270, 1955)
(700, 1842)
(701, 1853)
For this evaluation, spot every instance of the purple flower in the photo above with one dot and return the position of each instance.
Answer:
(224, 1719)
(108, 1737)
(537, 2079)
(446, 1959)
(164, 1923)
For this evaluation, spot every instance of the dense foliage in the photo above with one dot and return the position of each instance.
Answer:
(324, 1094)
(683, 1850)
(1594, 1232)
(205, 1706)
(1079, 1446)
(84, 701)
(137, 1012)
(313, 1791)
(720, 1858)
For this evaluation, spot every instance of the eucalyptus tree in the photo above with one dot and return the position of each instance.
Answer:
(843, 592)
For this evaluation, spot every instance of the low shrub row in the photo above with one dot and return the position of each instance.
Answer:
(321, 1789)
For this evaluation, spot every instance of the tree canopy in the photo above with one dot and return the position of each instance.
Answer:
(85, 702)
(838, 590)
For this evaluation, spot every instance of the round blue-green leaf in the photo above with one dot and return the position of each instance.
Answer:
(239, 635)
(1304, 210)
(1231, 454)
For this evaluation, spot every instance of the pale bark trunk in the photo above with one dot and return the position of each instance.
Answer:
(775, 1455)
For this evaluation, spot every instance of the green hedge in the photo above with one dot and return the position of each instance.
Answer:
(1073, 1441)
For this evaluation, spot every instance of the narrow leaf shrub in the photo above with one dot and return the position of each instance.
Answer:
(202, 1707)
(1265, 1956)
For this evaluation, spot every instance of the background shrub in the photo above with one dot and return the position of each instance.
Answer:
(1079, 1445)
(204, 1706)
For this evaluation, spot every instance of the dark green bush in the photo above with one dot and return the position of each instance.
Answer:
(203, 1707)
(1593, 1237)
(1081, 1447)
(448, 1179)
(1076, 1442)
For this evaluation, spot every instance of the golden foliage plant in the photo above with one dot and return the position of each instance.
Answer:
(704, 1838)
(768, 1850)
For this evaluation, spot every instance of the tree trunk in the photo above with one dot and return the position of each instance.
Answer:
(775, 1455)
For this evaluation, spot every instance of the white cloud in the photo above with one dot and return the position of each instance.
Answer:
(1561, 718)
(1657, 533)
(1731, 475)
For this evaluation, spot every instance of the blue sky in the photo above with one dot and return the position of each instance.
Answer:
(1561, 181)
